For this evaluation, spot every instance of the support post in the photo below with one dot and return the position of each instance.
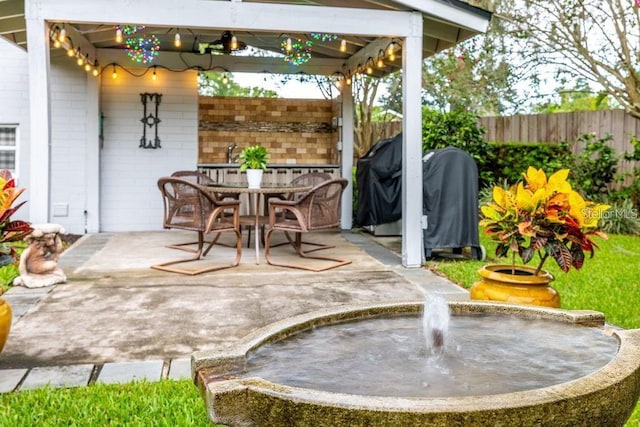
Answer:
(412, 252)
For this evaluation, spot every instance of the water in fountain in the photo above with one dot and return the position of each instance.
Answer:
(384, 356)
(435, 324)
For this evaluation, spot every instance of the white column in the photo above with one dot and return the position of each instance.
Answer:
(92, 162)
(40, 119)
(412, 252)
(346, 220)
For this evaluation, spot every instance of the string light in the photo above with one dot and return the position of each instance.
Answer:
(348, 80)
(79, 58)
(225, 80)
(118, 35)
(288, 45)
(343, 45)
(56, 43)
(87, 65)
(369, 67)
(380, 62)
(234, 42)
(115, 73)
(70, 52)
(154, 77)
(62, 37)
(95, 71)
(177, 42)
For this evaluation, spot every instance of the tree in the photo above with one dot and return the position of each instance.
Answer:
(593, 40)
(212, 83)
(578, 98)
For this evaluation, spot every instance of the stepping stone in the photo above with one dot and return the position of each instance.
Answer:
(58, 376)
(10, 378)
(124, 372)
(180, 369)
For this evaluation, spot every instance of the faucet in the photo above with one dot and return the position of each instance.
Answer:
(230, 156)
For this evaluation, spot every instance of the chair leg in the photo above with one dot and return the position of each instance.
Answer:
(292, 242)
(297, 245)
(167, 266)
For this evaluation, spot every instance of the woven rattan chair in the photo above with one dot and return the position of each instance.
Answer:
(317, 209)
(189, 206)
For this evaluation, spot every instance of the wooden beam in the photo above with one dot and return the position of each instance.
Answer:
(228, 15)
(183, 61)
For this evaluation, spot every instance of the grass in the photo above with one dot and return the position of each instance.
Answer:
(165, 403)
(608, 283)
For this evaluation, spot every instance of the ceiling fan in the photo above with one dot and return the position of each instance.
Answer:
(224, 46)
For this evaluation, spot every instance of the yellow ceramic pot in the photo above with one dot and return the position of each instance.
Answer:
(5, 322)
(497, 283)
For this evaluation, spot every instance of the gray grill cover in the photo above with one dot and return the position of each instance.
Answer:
(450, 201)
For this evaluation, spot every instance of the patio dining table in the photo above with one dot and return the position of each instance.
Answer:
(255, 219)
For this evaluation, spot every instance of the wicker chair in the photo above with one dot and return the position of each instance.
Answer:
(305, 180)
(188, 206)
(317, 209)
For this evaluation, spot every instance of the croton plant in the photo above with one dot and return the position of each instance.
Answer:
(10, 230)
(544, 216)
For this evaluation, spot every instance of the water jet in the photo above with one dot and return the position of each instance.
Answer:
(243, 385)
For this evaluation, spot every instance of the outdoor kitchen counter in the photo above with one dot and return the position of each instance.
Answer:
(229, 173)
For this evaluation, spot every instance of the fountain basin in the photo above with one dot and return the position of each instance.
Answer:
(605, 396)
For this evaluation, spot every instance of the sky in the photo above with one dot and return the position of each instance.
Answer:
(292, 89)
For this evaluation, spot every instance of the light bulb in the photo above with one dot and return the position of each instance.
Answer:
(390, 49)
(380, 62)
(70, 52)
(392, 57)
(177, 42)
(119, 35)
(95, 72)
(87, 67)
(80, 61)
(154, 77)
(234, 43)
(343, 45)
(115, 73)
(62, 36)
(56, 43)
(288, 46)
(225, 80)
(349, 80)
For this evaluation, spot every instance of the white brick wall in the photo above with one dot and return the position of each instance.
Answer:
(68, 143)
(129, 197)
(14, 109)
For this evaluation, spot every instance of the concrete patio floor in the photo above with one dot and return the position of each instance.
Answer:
(116, 319)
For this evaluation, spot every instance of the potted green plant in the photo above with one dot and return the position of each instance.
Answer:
(537, 216)
(253, 159)
(10, 231)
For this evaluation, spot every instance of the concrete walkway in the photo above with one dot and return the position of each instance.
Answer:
(117, 320)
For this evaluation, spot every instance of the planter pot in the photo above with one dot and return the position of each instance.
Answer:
(497, 283)
(254, 177)
(5, 322)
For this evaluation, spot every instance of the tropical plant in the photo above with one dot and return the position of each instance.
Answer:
(253, 157)
(544, 216)
(10, 230)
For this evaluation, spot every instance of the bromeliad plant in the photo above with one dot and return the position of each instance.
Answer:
(10, 230)
(544, 216)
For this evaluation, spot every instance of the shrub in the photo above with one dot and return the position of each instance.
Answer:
(458, 129)
(509, 159)
(594, 167)
(622, 218)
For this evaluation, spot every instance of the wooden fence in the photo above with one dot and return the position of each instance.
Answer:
(558, 127)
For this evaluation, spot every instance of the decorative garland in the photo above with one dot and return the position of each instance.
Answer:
(143, 49)
(300, 51)
(129, 30)
(324, 37)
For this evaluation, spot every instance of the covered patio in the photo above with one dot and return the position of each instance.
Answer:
(80, 158)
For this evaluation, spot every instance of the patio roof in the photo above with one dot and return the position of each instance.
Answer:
(445, 23)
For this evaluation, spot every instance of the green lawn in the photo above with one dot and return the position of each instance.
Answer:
(608, 283)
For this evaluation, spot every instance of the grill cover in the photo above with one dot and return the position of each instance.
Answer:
(450, 201)
(379, 180)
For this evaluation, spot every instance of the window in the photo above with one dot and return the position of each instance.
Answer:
(8, 144)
